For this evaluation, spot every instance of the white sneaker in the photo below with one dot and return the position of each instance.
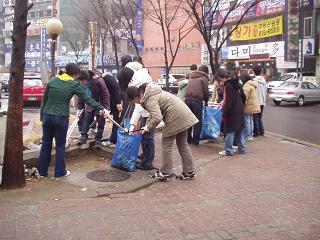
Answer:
(67, 174)
(223, 153)
(235, 147)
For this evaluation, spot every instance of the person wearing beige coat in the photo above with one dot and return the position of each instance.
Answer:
(252, 106)
(177, 117)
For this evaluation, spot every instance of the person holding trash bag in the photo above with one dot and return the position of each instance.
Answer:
(233, 113)
(54, 114)
(115, 105)
(197, 92)
(135, 75)
(177, 117)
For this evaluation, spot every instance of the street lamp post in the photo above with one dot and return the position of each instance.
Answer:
(54, 28)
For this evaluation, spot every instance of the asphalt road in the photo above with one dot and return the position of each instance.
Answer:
(301, 123)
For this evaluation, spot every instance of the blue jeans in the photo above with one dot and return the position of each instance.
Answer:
(248, 118)
(113, 136)
(53, 127)
(148, 148)
(258, 129)
(85, 122)
(238, 138)
(196, 109)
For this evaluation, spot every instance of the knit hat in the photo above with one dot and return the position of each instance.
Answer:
(134, 66)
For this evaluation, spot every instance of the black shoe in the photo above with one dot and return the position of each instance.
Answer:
(195, 143)
(185, 176)
(81, 141)
(255, 135)
(140, 167)
(97, 144)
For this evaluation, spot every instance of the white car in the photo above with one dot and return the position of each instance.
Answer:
(282, 79)
(173, 81)
(292, 76)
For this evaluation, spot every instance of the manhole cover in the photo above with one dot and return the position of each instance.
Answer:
(110, 175)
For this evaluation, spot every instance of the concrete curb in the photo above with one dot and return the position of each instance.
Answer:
(290, 139)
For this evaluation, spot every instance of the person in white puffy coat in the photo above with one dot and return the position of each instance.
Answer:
(140, 77)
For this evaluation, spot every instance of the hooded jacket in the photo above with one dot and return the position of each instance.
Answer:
(252, 105)
(164, 106)
(233, 109)
(197, 88)
(262, 89)
(139, 77)
(100, 94)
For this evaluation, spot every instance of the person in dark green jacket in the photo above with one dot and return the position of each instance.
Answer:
(54, 114)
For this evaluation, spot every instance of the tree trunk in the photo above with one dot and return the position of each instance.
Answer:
(13, 171)
(135, 47)
(212, 62)
(114, 42)
(102, 54)
(216, 60)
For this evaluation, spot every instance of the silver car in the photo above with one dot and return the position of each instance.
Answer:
(295, 91)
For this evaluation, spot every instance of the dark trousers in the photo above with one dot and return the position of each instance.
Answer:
(258, 128)
(195, 131)
(148, 147)
(53, 127)
(84, 123)
(113, 136)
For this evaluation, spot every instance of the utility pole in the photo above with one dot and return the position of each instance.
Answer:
(13, 171)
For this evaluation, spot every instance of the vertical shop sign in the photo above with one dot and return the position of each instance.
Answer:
(43, 43)
(139, 24)
(292, 53)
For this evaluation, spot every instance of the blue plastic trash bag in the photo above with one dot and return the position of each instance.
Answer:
(127, 149)
(211, 123)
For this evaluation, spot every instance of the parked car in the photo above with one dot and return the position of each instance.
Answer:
(295, 91)
(5, 85)
(33, 89)
(174, 80)
(292, 76)
(4, 78)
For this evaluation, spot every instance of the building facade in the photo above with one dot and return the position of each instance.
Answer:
(189, 51)
(36, 46)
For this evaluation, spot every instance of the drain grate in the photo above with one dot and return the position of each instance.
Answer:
(109, 175)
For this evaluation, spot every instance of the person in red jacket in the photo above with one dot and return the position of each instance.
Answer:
(94, 87)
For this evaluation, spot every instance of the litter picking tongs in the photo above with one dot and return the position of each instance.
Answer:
(71, 128)
(118, 125)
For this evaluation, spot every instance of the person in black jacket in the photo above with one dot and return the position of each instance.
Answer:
(233, 113)
(115, 105)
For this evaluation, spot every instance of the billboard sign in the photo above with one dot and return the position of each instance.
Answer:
(274, 49)
(263, 8)
(257, 30)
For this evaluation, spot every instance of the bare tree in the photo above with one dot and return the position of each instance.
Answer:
(77, 43)
(13, 171)
(203, 12)
(175, 26)
(85, 16)
(125, 12)
(109, 22)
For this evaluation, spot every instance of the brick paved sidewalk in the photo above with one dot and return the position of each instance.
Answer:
(273, 192)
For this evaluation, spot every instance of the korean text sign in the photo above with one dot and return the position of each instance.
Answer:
(257, 30)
